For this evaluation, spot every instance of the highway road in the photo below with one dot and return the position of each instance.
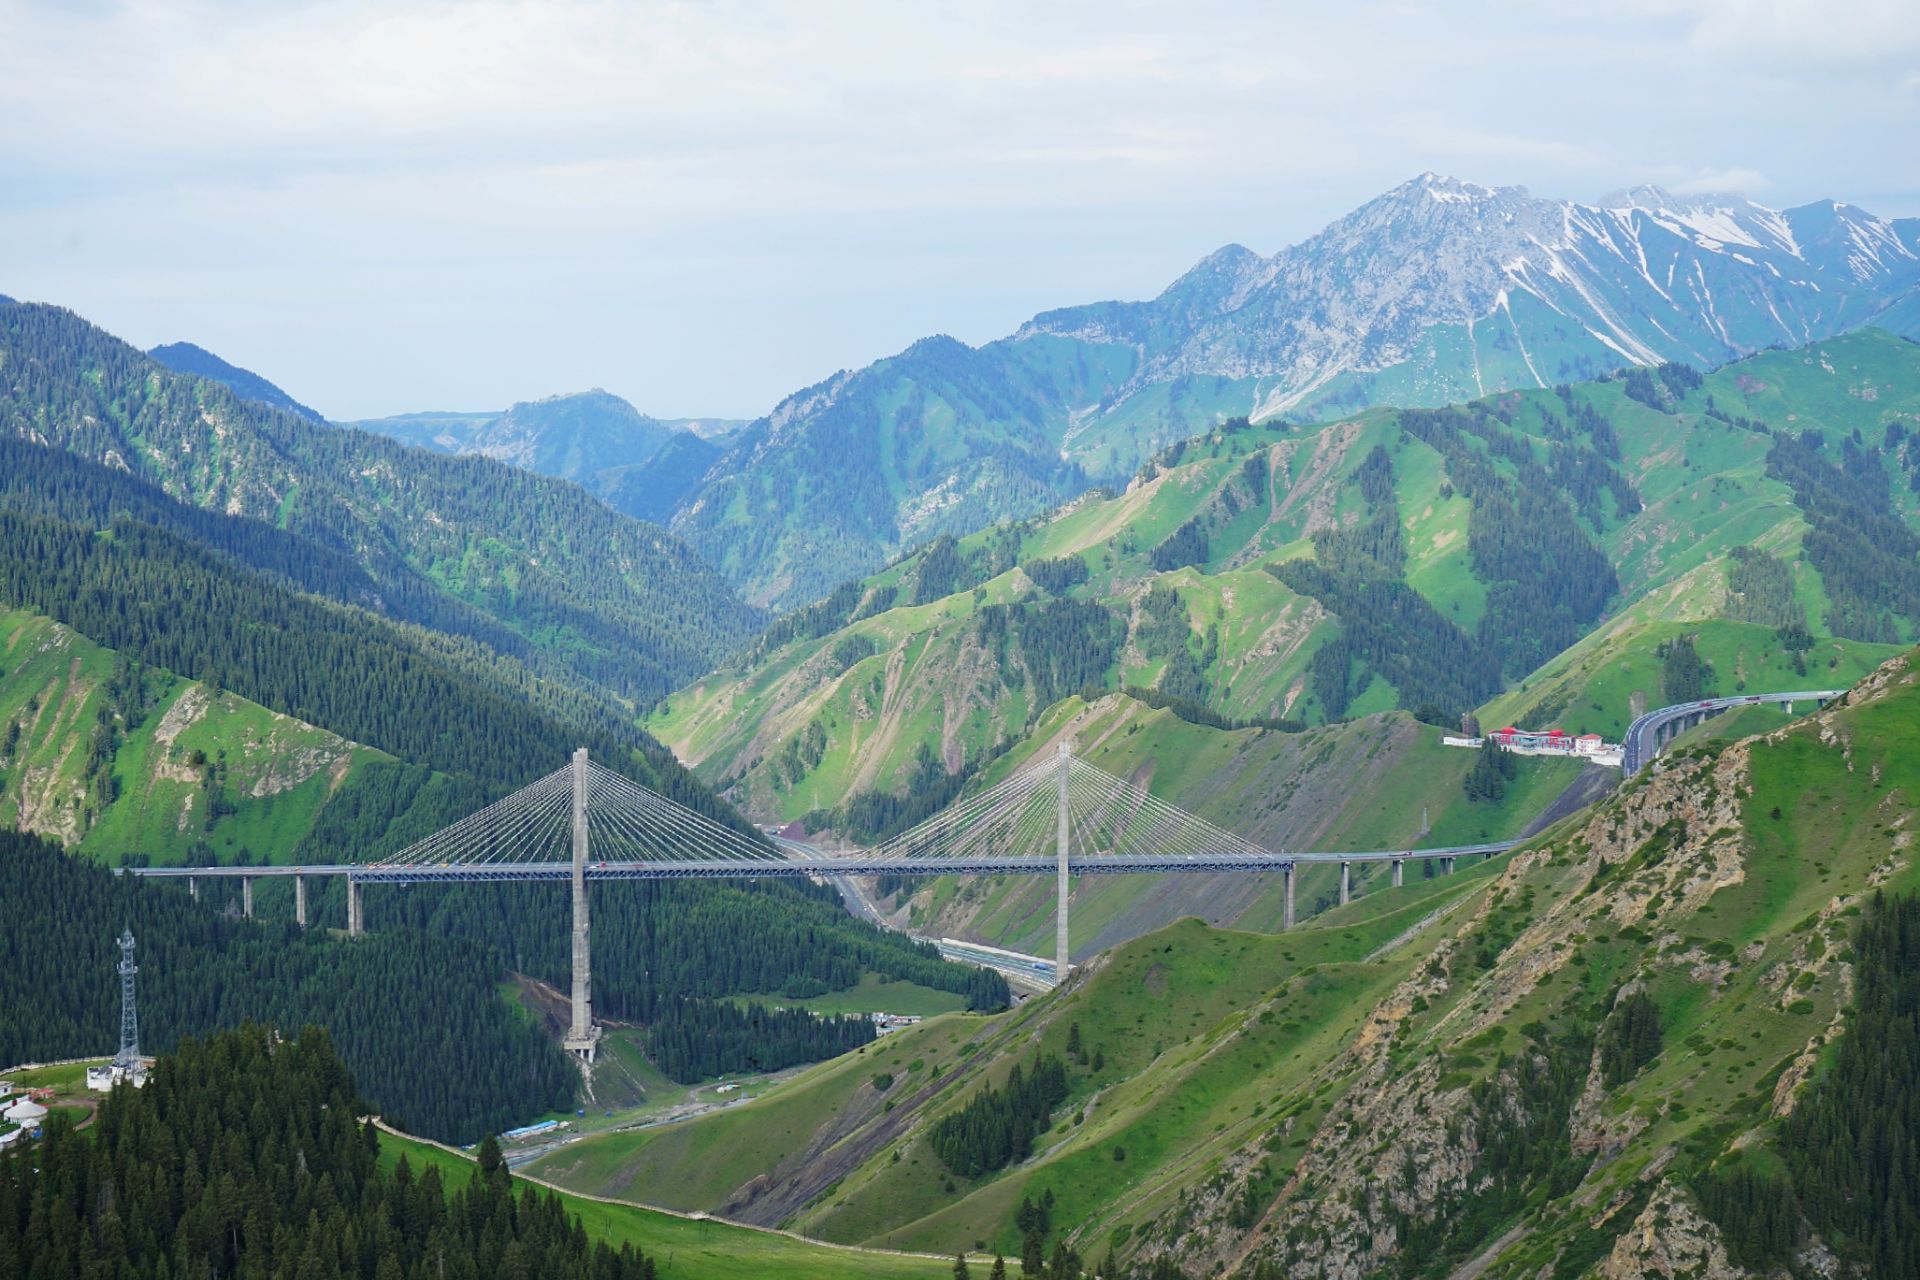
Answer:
(1646, 733)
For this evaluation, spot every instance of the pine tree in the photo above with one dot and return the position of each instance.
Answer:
(1033, 1254)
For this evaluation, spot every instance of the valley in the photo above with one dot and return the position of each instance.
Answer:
(1165, 793)
(1216, 1125)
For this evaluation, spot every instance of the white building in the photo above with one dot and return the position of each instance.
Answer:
(102, 1078)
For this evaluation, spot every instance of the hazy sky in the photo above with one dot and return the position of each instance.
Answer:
(703, 206)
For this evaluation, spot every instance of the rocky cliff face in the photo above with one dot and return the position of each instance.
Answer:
(1476, 1119)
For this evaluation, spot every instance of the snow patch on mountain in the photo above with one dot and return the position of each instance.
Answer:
(1641, 276)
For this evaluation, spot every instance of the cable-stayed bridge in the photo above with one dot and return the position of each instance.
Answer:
(584, 823)
(1059, 816)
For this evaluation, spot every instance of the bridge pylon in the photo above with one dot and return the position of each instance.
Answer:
(1062, 953)
(583, 1038)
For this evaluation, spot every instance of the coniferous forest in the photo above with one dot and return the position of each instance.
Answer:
(246, 1154)
(146, 592)
(608, 599)
(410, 1011)
(415, 998)
(998, 1126)
(1853, 1147)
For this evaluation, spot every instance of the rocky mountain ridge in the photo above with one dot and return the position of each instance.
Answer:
(1634, 275)
(1437, 291)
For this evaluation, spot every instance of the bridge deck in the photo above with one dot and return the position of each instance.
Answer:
(831, 868)
(1642, 739)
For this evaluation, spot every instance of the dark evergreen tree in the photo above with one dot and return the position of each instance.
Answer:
(1852, 1146)
(245, 1155)
(1683, 673)
(1493, 767)
(997, 1126)
(1630, 1040)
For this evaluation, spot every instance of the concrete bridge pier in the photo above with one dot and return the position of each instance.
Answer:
(246, 896)
(1346, 883)
(1286, 918)
(1399, 872)
(300, 901)
(193, 888)
(1446, 866)
(356, 909)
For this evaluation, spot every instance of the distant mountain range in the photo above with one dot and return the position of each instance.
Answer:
(185, 357)
(641, 465)
(1437, 291)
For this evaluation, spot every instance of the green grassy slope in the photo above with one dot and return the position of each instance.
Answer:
(685, 1247)
(192, 772)
(1595, 686)
(852, 700)
(1305, 1100)
(1153, 1011)
(1381, 782)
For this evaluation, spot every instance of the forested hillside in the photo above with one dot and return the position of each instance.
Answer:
(246, 1154)
(1672, 1036)
(186, 357)
(669, 954)
(601, 597)
(115, 758)
(411, 1011)
(1528, 556)
(182, 685)
(244, 607)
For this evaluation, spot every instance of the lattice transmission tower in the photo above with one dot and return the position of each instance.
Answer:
(129, 1056)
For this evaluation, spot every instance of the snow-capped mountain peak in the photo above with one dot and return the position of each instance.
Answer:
(1435, 269)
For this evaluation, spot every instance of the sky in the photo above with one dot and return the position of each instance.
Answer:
(406, 205)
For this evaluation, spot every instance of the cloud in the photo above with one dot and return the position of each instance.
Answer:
(1746, 182)
(706, 203)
